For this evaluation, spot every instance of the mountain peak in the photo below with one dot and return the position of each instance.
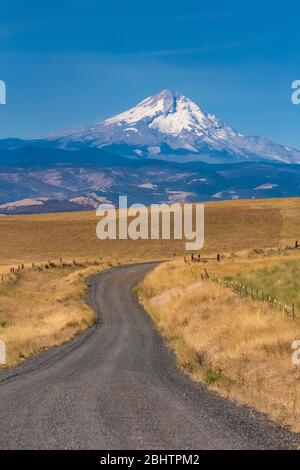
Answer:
(168, 112)
(170, 125)
(163, 102)
(167, 94)
(166, 100)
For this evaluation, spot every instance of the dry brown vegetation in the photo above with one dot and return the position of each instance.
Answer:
(45, 308)
(40, 309)
(274, 273)
(229, 227)
(239, 347)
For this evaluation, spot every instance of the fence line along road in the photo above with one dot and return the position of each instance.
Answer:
(15, 271)
(254, 293)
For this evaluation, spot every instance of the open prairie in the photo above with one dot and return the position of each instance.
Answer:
(219, 337)
(229, 227)
(43, 308)
(240, 347)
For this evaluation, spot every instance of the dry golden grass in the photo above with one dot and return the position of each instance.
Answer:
(230, 226)
(237, 346)
(46, 308)
(275, 274)
(41, 309)
(273, 271)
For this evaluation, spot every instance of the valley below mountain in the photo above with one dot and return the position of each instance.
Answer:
(34, 180)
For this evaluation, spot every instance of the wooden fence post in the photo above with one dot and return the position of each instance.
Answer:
(243, 289)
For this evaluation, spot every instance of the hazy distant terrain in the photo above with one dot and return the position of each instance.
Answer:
(34, 180)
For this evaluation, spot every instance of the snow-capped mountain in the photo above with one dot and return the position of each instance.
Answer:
(171, 142)
(170, 126)
(166, 126)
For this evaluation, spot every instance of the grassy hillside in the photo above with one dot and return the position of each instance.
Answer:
(274, 272)
(239, 347)
(44, 308)
(279, 279)
(229, 226)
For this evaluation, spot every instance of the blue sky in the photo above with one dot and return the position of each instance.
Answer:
(71, 62)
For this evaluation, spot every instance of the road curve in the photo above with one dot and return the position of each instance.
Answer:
(116, 386)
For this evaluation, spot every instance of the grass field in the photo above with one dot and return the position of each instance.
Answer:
(280, 279)
(239, 347)
(229, 226)
(233, 344)
(276, 274)
(44, 308)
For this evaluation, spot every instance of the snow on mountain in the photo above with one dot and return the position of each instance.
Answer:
(166, 126)
(170, 126)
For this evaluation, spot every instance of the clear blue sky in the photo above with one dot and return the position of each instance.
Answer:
(71, 62)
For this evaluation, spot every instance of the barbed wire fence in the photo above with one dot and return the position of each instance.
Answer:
(15, 271)
(253, 293)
